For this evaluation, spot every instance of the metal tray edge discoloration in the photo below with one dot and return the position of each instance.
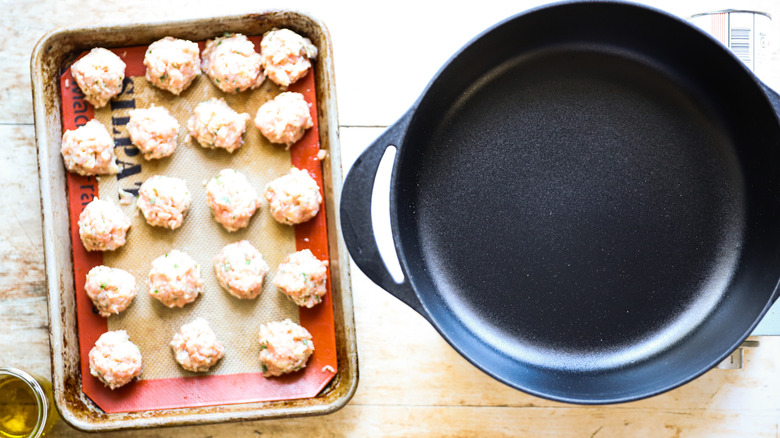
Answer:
(49, 56)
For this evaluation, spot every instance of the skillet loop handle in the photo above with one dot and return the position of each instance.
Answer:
(774, 98)
(355, 212)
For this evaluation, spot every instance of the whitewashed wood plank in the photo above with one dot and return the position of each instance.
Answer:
(384, 54)
(434, 422)
(21, 253)
(24, 334)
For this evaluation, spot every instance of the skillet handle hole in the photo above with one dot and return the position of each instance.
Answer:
(380, 215)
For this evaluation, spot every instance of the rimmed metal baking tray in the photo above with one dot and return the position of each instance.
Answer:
(49, 59)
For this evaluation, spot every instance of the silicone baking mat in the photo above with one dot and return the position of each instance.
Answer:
(237, 378)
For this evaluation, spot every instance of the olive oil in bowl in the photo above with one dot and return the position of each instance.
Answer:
(26, 408)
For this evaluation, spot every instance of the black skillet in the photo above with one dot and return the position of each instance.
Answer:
(585, 202)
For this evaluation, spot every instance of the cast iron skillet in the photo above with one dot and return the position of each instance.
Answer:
(585, 202)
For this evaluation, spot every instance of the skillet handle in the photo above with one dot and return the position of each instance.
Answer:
(774, 98)
(355, 212)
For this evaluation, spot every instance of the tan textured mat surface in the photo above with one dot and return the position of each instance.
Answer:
(150, 324)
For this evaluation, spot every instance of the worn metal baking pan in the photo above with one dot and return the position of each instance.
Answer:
(49, 58)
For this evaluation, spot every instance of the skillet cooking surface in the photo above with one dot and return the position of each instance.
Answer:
(589, 189)
(585, 204)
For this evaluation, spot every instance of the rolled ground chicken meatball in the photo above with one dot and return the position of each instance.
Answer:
(110, 289)
(172, 64)
(284, 119)
(154, 131)
(89, 150)
(286, 56)
(103, 226)
(293, 198)
(175, 279)
(196, 347)
(232, 199)
(240, 269)
(232, 63)
(114, 359)
(215, 125)
(302, 277)
(285, 347)
(99, 74)
(164, 201)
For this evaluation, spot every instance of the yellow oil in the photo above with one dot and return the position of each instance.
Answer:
(53, 417)
(18, 408)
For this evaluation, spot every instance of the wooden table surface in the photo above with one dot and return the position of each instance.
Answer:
(412, 383)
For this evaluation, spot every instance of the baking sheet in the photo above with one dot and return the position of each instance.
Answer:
(237, 378)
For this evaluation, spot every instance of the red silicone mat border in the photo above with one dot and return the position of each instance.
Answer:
(205, 390)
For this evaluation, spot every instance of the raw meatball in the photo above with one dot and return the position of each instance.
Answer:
(302, 277)
(215, 125)
(99, 74)
(153, 130)
(196, 346)
(114, 359)
(286, 56)
(293, 198)
(232, 63)
(284, 119)
(172, 64)
(175, 279)
(103, 226)
(284, 347)
(240, 269)
(164, 201)
(232, 199)
(89, 150)
(110, 289)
